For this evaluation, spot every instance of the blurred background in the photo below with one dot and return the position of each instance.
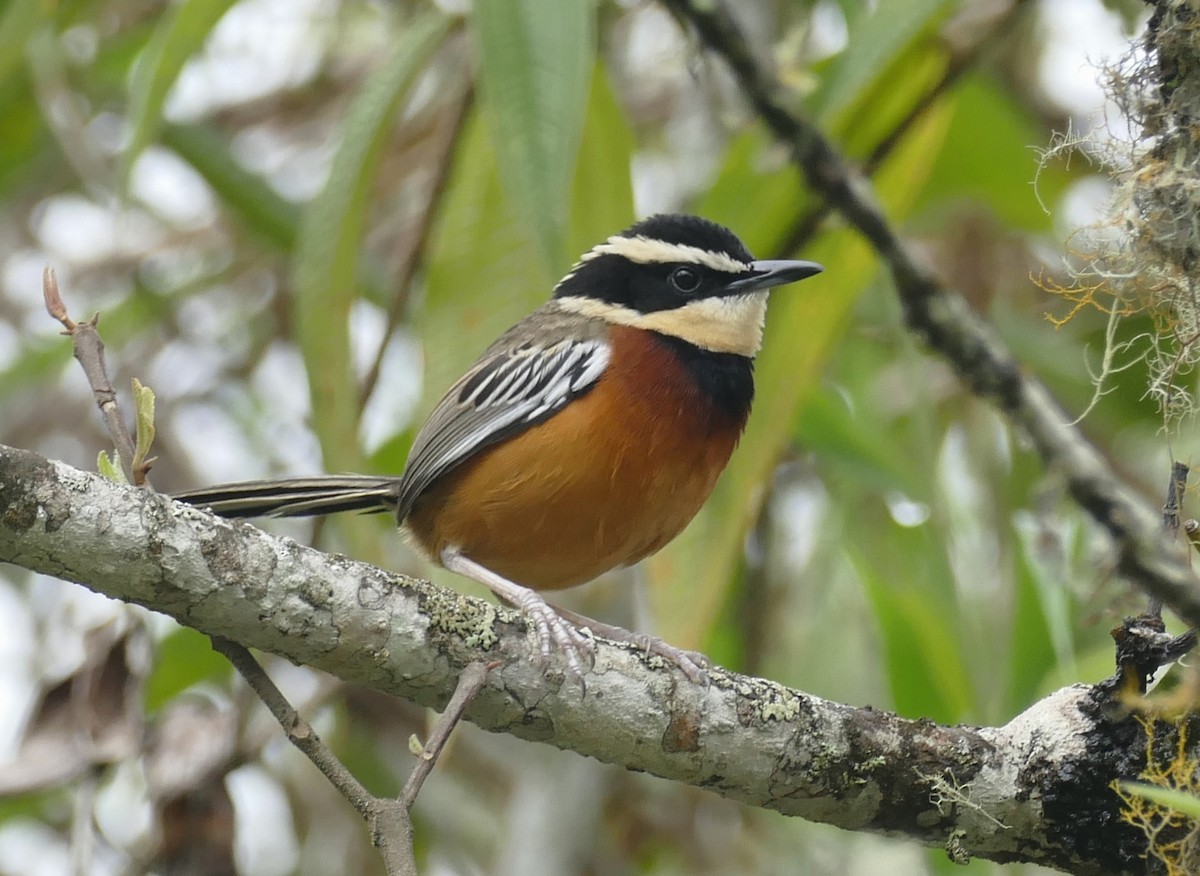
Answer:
(301, 219)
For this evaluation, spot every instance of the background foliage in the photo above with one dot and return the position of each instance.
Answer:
(301, 220)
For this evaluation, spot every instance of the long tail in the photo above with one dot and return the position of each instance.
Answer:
(298, 497)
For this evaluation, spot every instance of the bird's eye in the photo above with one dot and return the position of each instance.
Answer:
(685, 279)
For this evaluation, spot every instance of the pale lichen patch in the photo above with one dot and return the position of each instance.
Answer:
(450, 613)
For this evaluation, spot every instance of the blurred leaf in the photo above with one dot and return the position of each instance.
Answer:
(877, 35)
(250, 197)
(889, 100)
(1000, 169)
(17, 24)
(392, 454)
(110, 74)
(325, 266)
(180, 34)
(1043, 631)
(758, 193)
(87, 718)
(827, 427)
(483, 269)
(804, 326)
(1170, 798)
(38, 361)
(602, 193)
(536, 63)
(26, 151)
(368, 759)
(184, 658)
(911, 589)
(34, 805)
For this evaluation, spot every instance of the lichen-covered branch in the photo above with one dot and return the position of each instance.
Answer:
(955, 332)
(1036, 789)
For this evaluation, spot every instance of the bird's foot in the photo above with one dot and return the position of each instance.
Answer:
(692, 664)
(553, 631)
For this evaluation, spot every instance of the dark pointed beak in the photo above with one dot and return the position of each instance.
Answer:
(768, 274)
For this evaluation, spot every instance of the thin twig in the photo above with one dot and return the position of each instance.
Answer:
(391, 828)
(83, 824)
(416, 252)
(951, 329)
(89, 351)
(389, 820)
(806, 225)
(298, 731)
(1171, 509)
(470, 683)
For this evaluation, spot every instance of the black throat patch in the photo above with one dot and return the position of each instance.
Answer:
(724, 379)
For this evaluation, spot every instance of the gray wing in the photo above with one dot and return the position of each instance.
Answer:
(508, 390)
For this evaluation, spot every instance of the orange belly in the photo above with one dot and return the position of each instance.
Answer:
(608, 480)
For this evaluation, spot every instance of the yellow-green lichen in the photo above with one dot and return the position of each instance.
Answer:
(472, 620)
(761, 702)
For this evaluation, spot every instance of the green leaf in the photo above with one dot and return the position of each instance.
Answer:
(249, 197)
(1043, 634)
(877, 36)
(602, 194)
(536, 65)
(181, 33)
(110, 467)
(325, 266)
(1180, 801)
(483, 270)
(18, 23)
(184, 658)
(911, 589)
(865, 447)
(1001, 169)
(758, 194)
(26, 148)
(143, 408)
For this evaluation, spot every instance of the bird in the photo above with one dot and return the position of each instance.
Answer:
(585, 438)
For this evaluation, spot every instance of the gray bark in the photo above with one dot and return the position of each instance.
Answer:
(1036, 789)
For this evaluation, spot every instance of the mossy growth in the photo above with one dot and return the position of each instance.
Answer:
(1172, 835)
(1143, 257)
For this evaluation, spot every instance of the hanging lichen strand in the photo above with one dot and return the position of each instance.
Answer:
(1142, 257)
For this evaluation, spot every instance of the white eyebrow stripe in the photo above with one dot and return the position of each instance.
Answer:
(647, 250)
(720, 325)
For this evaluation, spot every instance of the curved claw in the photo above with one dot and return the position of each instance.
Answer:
(555, 631)
(552, 630)
(692, 664)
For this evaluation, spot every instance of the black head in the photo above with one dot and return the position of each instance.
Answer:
(689, 230)
(669, 260)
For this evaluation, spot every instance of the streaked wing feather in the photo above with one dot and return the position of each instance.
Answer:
(507, 391)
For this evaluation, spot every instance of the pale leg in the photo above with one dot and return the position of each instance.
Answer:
(690, 663)
(551, 628)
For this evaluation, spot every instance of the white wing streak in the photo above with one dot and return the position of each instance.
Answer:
(503, 394)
